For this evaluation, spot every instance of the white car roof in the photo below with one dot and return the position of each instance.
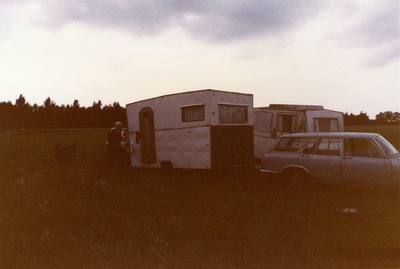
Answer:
(334, 135)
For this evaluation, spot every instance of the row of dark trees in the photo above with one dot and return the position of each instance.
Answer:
(383, 118)
(49, 115)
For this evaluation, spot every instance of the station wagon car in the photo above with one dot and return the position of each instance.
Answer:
(345, 158)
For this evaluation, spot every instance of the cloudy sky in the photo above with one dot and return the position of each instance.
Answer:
(342, 54)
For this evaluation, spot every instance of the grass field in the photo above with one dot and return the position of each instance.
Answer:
(84, 216)
(390, 132)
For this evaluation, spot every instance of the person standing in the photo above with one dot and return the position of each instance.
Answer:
(114, 150)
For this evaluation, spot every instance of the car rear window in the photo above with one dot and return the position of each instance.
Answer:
(388, 148)
(289, 144)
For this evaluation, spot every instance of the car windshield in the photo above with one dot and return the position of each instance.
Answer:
(388, 148)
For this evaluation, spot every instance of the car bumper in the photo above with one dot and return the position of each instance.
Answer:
(268, 171)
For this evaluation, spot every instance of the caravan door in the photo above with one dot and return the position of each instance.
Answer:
(324, 121)
(147, 136)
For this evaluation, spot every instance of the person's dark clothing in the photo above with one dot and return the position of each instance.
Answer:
(114, 151)
(114, 138)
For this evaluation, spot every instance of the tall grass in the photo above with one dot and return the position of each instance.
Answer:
(87, 216)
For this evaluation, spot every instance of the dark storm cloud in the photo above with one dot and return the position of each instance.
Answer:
(380, 26)
(219, 21)
(216, 21)
(374, 27)
(383, 31)
(251, 18)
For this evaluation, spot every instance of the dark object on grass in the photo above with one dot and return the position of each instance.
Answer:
(64, 153)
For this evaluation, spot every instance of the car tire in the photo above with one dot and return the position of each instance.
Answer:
(296, 179)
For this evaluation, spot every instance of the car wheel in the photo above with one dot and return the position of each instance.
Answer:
(296, 179)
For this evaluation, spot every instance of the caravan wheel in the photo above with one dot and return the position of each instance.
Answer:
(166, 165)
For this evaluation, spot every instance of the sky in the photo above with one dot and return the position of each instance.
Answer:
(342, 54)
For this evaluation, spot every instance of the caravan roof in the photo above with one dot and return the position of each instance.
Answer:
(188, 92)
(292, 107)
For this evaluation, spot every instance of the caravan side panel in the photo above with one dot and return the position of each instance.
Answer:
(187, 148)
(182, 129)
(263, 145)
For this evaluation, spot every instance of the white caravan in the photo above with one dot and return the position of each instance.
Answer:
(275, 120)
(203, 129)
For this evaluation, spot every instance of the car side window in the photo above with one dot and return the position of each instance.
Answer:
(328, 146)
(374, 151)
(359, 147)
(289, 144)
(310, 148)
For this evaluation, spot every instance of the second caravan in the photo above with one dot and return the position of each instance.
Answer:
(272, 121)
(203, 129)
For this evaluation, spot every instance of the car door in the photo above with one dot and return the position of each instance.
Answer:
(363, 164)
(321, 157)
(285, 154)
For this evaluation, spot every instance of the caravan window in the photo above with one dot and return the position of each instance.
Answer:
(326, 125)
(262, 121)
(232, 113)
(286, 123)
(193, 113)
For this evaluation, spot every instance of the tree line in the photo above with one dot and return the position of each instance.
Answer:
(383, 118)
(49, 115)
